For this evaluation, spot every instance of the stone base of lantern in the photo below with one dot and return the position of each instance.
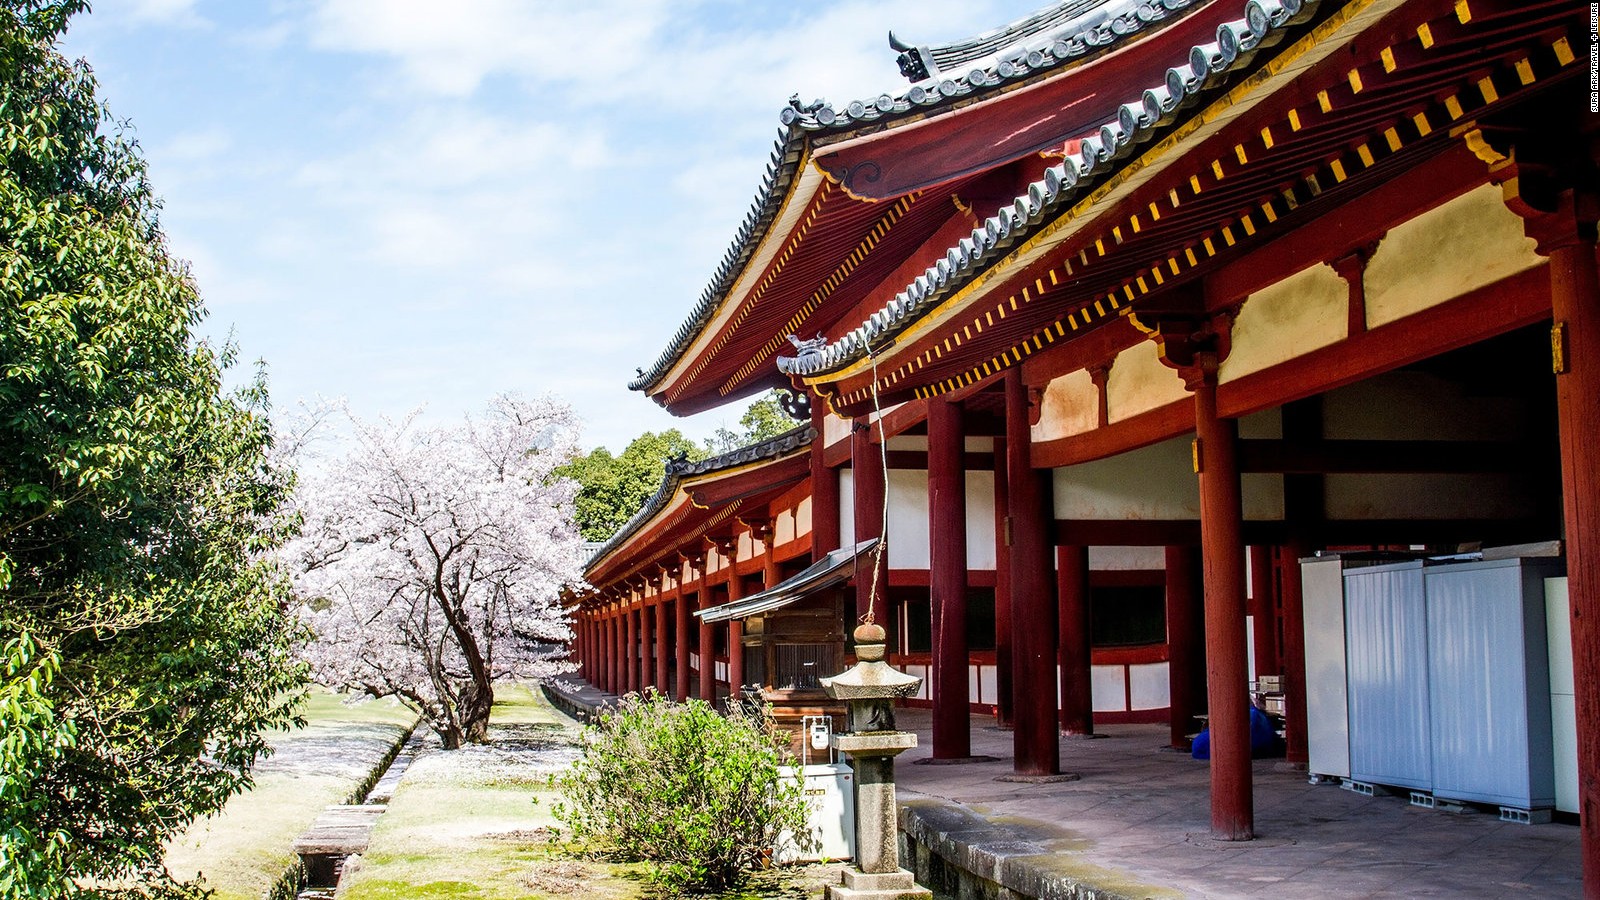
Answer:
(857, 885)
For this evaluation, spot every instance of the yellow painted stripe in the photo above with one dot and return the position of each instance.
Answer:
(1453, 106)
(1355, 81)
(1487, 89)
(1387, 55)
(1393, 137)
(1365, 153)
(1324, 101)
(1266, 137)
(1294, 120)
(1563, 51)
(1463, 11)
(1421, 121)
(1524, 71)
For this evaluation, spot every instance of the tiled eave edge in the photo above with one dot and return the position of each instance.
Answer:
(1084, 36)
(679, 470)
(1034, 31)
(1265, 24)
(782, 168)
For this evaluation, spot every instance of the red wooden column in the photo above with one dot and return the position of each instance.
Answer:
(735, 631)
(680, 610)
(947, 579)
(612, 654)
(1033, 601)
(662, 683)
(824, 489)
(1222, 550)
(1264, 611)
(1568, 237)
(1294, 651)
(1002, 591)
(867, 477)
(708, 639)
(1072, 584)
(633, 646)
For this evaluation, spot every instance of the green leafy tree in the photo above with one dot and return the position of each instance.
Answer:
(763, 419)
(612, 488)
(143, 643)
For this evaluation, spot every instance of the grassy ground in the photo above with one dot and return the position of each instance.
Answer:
(243, 850)
(466, 825)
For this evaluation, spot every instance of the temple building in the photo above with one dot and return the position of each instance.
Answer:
(1106, 323)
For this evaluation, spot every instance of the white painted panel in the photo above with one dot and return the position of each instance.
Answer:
(783, 531)
(1327, 699)
(917, 443)
(802, 517)
(1306, 311)
(747, 547)
(1140, 382)
(847, 508)
(1563, 703)
(1155, 482)
(1151, 686)
(974, 687)
(980, 520)
(979, 444)
(908, 519)
(1070, 405)
(1127, 559)
(1447, 251)
(987, 681)
(924, 691)
(1107, 688)
(835, 429)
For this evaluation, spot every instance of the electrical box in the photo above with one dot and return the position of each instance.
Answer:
(830, 793)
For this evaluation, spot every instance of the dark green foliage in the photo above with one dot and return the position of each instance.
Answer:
(612, 488)
(142, 644)
(695, 794)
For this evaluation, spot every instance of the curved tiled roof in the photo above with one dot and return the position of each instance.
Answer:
(1103, 26)
(919, 62)
(1107, 23)
(680, 469)
(1135, 122)
(782, 166)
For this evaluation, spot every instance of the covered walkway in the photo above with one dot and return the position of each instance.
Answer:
(1136, 823)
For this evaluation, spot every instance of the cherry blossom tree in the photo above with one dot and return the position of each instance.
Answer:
(431, 560)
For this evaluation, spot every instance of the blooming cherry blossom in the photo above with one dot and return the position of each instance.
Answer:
(432, 559)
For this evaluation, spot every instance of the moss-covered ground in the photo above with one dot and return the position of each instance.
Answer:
(245, 850)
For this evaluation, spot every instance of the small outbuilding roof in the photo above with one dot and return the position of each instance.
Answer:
(832, 569)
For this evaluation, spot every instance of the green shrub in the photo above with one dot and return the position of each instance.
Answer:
(694, 794)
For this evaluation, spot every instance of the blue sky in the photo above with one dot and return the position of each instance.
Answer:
(409, 203)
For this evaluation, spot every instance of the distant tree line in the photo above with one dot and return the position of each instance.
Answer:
(614, 487)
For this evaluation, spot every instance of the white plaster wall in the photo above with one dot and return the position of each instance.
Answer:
(980, 444)
(1071, 405)
(1139, 382)
(1127, 559)
(847, 508)
(908, 518)
(913, 442)
(834, 429)
(1304, 312)
(1155, 482)
(802, 517)
(1447, 251)
(1478, 496)
(980, 520)
(1418, 406)
(1150, 686)
(746, 548)
(1107, 692)
(783, 529)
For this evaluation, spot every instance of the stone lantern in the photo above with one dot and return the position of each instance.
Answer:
(869, 688)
